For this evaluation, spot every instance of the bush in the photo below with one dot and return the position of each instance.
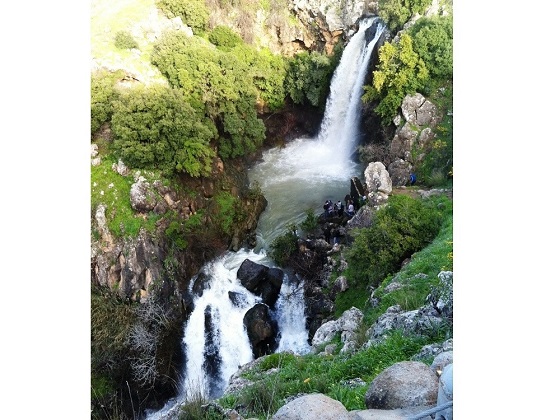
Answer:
(284, 246)
(311, 221)
(103, 92)
(155, 128)
(192, 12)
(217, 83)
(403, 227)
(230, 212)
(224, 37)
(124, 40)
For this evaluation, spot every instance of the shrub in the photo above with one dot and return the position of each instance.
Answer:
(192, 12)
(124, 40)
(155, 128)
(311, 221)
(103, 92)
(217, 83)
(224, 37)
(284, 246)
(403, 227)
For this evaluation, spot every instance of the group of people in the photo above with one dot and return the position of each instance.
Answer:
(337, 209)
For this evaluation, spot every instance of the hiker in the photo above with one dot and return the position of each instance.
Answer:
(339, 208)
(331, 209)
(347, 199)
(326, 208)
(327, 233)
(350, 211)
(412, 179)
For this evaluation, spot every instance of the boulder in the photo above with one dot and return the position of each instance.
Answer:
(402, 385)
(399, 171)
(347, 325)
(262, 330)
(261, 280)
(378, 181)
(312, 407)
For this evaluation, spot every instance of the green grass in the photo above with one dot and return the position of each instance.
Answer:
(322, 374)
(113, 190)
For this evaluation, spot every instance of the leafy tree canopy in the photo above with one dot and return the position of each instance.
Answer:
(308, 78)
(156, 128)
(432, 39)
(400, 71)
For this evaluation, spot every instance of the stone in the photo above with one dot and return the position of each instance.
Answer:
(312, 407)
(404, 384)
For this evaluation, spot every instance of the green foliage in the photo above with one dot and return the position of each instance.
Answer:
(246, 132)
(103, 92)
(284, 246)
(268, 72)
(432, 39)
(398, 230)
(224, 37)
(179, 229)
(311, 373)
(112, 190)
(230, 212)
(397, 12)
(154, 127)
(218, 83)
(111, 321)
(192, 12)
(400, 71)
(435, 168)
(308, 78)
(311, 221)
(124, 40)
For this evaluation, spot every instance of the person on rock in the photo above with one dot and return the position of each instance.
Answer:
(350, 211)
(339, 208)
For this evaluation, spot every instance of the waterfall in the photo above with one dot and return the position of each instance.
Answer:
(293, 179)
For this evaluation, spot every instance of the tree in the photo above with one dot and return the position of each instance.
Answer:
(308, 78)
(103, 92)
(156, 128)
(400, 71)
(432, 39)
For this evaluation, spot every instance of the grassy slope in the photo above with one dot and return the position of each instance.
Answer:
(140, 18)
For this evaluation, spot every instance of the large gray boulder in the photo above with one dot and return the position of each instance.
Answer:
(404, 384)
(312, 407)
(378, 181)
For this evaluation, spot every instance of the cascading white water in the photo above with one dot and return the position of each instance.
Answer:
(293, 179)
